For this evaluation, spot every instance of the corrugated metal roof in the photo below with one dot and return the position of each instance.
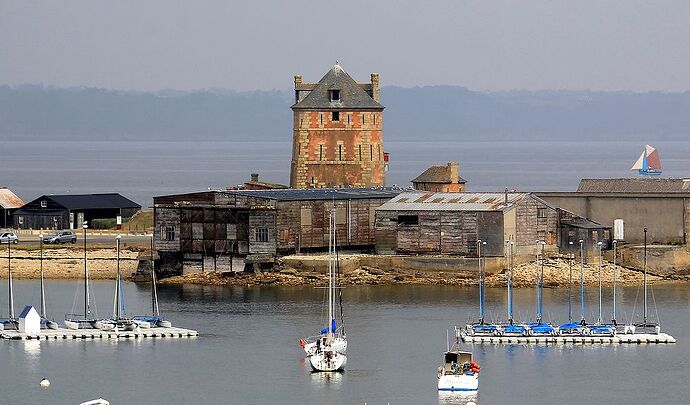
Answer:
(420, 201)
(9, 200)
(319, 193)
(634, 185)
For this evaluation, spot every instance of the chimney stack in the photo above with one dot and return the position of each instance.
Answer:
(454, 172)
(375, 86)
(255, 177)
(506, 199)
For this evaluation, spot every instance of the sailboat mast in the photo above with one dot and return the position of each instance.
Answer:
(510, 281)
(43, 291)
(154, 291)
(613, 310)
(117, 283)
(600, 265)
(582, 281)
(330, 272)
(540, 284)
(481, 283)
(645, 279)
(570, 283)
(86, 277)
(9, 279)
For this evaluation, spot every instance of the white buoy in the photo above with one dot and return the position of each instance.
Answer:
(44, 383)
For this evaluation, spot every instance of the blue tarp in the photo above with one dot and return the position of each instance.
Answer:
(333, 328)
(603, 329)
(540, 327)
(513, 329)
(484, 328)
(569, 326)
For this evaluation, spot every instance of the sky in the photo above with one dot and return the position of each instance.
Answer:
(625, 45)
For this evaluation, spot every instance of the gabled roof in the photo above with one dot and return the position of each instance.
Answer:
(634, 185)
(9, 200)
(26, 311)
(352, 96)
(437, 174)
(91, 201)
(428, 201)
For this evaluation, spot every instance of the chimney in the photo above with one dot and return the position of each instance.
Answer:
(255, 177)
(298, 84)
(506, 199)
(454, 172)
(375, 86)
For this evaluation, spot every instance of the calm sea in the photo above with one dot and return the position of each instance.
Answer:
(141, 170)
(248, 350)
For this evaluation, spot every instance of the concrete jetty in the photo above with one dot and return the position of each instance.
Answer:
(97, 334)
(636, 338)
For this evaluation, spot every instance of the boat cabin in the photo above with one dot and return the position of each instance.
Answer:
(453, 361)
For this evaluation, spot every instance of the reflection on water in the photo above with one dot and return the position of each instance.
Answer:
(326, 379)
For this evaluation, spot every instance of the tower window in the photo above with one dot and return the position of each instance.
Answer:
(321, 118)
(335, 116)
(360, 152)
(371, 152)
(340, 152)
(362, 118)
(335, 95)
(348, 119)
(320, 152)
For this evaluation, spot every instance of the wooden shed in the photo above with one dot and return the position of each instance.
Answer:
(228, 230)
(452, 223)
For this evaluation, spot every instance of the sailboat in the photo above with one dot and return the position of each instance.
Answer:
(645, 324)
(577, 328)
(539, 327)
(459, 373)
(330, 347)
(511, 329)
(11, 322)
(155, 320)
(45, 323)
(118, 321)
(481, 328)
(600, 328)
(87, 321)
(648, 164)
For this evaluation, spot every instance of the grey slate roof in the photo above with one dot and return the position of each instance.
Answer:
(437, 174)
(634, 185)
(91, 201)
(352, 96)
(428, 201)
(319, 193)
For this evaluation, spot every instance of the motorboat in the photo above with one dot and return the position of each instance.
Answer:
(459, 372)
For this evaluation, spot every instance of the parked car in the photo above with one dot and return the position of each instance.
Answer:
(61, 237)
(9, 237)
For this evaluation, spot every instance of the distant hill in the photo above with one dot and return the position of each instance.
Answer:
(32, 112)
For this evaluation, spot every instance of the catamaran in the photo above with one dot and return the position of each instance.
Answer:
(646, 325)
(328, 352)
(481, 328)
(154, 320)
(648, 164)
(45, 322)
(118, 321)
(539, 327)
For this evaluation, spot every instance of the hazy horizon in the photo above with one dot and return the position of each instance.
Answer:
(483, 46)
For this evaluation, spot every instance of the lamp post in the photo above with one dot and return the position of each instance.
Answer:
(570, 283)
(509, 245)
(540, 283)
(43, 293)
(599, 246)
(87, 311)
(118, 289)
(582, 281)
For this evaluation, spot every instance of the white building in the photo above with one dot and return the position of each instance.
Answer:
(29, 320)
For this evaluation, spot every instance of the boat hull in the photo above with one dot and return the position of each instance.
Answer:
(328, 361)
(459, 382)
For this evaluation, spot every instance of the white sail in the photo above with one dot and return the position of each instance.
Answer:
(640, 162)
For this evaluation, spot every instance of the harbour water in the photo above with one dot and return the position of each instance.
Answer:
(141, 170)
(248, 352)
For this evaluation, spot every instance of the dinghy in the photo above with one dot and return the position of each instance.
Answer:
(87, 321)
(154, 320)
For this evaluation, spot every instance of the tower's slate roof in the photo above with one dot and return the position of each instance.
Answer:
(352, 96)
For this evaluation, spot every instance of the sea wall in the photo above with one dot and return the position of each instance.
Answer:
(664, 260)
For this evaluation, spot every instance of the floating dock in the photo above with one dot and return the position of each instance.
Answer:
(636, 338)
(97, 334)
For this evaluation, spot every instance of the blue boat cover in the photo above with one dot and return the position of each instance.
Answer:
(541, 327)
(514, 329)
(601, 329)
(324, 331)
(152, 319)
(571, 325)
(483, 328)
(333, 328)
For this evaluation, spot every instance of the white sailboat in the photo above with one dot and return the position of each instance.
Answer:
(45, 322)
(10, 322)
(118, 321)
(87, 321)
(155, 320)
(328, 352)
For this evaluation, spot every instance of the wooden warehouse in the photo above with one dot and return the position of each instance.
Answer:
(451, 223)
(228, 230)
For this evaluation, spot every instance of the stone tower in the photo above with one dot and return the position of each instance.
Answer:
(337, 139)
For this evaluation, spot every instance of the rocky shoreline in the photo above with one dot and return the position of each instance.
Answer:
(556, 274)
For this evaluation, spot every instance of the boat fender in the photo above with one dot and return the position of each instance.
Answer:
(302, 343)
